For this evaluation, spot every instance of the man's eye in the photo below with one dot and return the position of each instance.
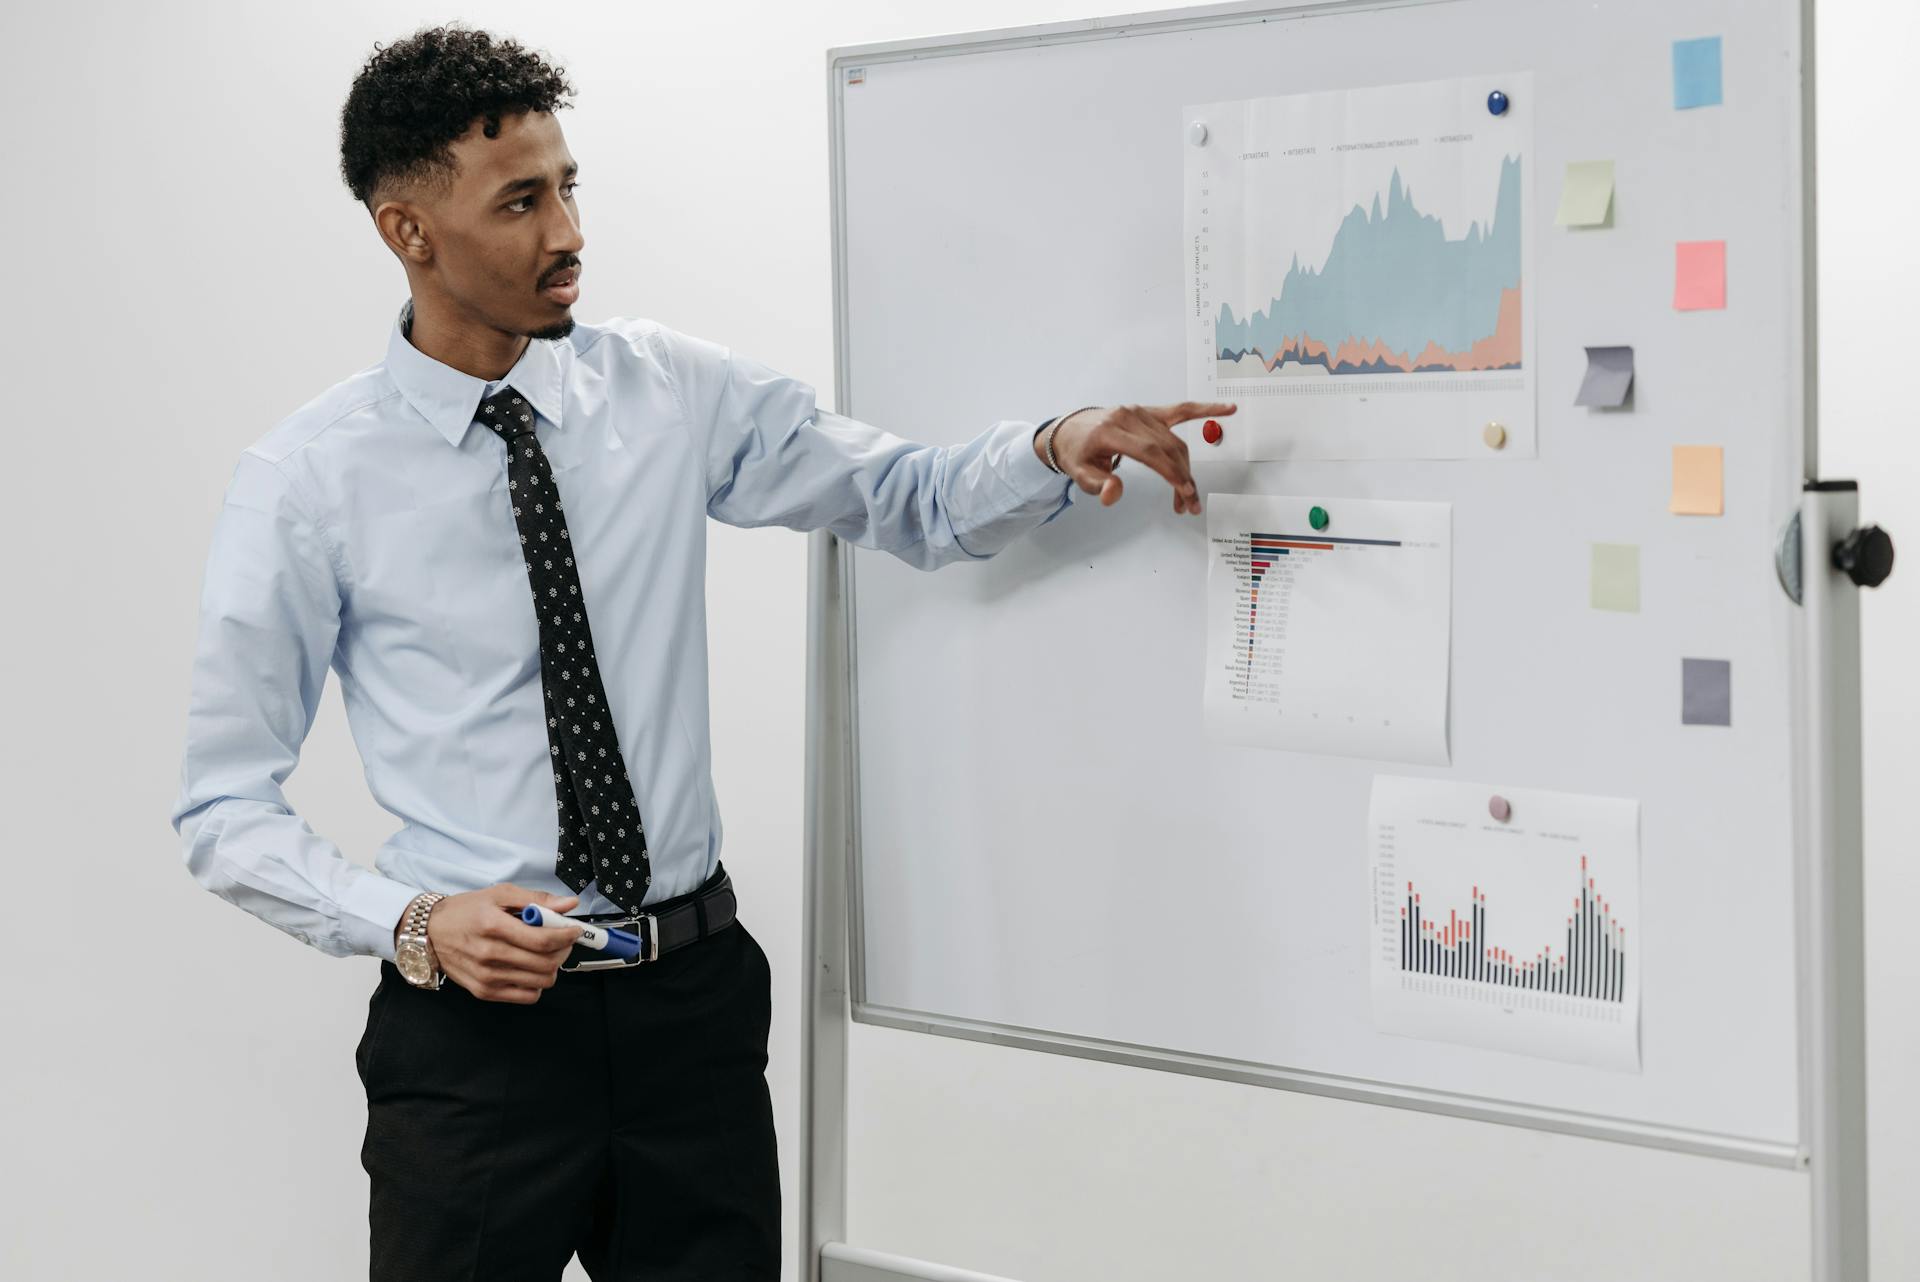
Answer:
(524, 199)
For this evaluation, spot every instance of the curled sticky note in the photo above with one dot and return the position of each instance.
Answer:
(1586, 196)
(1609, 378)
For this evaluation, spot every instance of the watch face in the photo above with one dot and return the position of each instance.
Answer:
(411, 958)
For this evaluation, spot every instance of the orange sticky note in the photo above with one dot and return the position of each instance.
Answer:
(1697, 488)
(1700, 275)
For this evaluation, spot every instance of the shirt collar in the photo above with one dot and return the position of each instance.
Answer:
(449, 399)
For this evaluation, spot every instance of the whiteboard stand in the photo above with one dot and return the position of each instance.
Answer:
(826, 1006)
(1834, 977)
(1828, 926)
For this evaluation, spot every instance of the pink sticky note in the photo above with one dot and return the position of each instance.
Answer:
(1700, 275)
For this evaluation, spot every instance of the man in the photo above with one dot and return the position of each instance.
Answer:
(398, 528)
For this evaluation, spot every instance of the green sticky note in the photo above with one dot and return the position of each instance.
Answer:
(1616, 577)
(1586, 197)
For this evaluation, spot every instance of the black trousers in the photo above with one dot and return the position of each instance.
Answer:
(624, 1116)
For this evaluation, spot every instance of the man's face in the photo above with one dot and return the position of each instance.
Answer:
(508, 228)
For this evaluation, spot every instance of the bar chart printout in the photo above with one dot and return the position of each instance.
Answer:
(1515, 935)
(1333, 639)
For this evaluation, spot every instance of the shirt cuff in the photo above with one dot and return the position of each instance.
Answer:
(1028, 475)
(369, 911)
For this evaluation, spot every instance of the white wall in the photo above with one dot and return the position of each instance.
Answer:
(1870, 267)
(183, 267)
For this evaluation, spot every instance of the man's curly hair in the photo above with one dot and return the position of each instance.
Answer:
(415, 97)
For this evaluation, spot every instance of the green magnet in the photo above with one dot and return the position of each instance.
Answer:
(1318, 518)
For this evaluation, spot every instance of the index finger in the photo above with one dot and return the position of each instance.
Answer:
(537, 939)
(1171, 414)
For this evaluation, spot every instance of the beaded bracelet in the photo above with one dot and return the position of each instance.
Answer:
(1054, 427)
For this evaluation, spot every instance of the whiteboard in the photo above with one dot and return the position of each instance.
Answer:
(1047, 847)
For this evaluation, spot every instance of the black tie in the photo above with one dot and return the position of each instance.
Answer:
(600, 835)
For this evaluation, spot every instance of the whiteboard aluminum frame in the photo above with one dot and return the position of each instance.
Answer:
(1826, 738)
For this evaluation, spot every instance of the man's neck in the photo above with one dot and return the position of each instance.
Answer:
(481, 352)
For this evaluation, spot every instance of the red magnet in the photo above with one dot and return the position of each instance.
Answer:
(1211, 432)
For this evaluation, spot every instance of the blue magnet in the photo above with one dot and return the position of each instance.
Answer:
(1497, 103)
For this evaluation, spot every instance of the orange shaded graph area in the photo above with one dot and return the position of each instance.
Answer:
(1500, 350)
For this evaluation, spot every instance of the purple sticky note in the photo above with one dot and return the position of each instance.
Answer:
(1609, 378)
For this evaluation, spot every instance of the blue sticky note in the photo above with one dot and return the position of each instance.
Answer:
(1696, 73)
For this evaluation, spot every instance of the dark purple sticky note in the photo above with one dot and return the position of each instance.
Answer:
(1706, 692)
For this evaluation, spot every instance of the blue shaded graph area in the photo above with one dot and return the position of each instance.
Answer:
(1392, 277)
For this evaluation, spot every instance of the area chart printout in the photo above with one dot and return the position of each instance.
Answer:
(1330, 636)
(1519, 934)
(1359, 269)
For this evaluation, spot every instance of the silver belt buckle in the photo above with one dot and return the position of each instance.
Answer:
(649, 947)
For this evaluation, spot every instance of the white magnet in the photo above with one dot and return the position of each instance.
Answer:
(1198, 133)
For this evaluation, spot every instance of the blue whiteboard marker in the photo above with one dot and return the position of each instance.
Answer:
(614, 943)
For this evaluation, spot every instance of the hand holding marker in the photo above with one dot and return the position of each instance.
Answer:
(623, 944)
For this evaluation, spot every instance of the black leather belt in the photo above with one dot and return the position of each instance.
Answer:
(673, 923)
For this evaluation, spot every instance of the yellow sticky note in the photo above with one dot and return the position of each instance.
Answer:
(1615, 577)
(1697, 483)
(1586, 197)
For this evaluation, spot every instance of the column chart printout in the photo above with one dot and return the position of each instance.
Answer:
(1519, 934)
(1328, 625)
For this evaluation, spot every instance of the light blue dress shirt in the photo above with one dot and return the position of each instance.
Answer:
(371, 532)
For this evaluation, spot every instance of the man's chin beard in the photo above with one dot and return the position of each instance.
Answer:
(555, 331)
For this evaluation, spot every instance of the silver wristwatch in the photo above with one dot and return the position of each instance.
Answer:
(413, 952)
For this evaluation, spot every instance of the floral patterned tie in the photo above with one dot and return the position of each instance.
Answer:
(600, 835)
